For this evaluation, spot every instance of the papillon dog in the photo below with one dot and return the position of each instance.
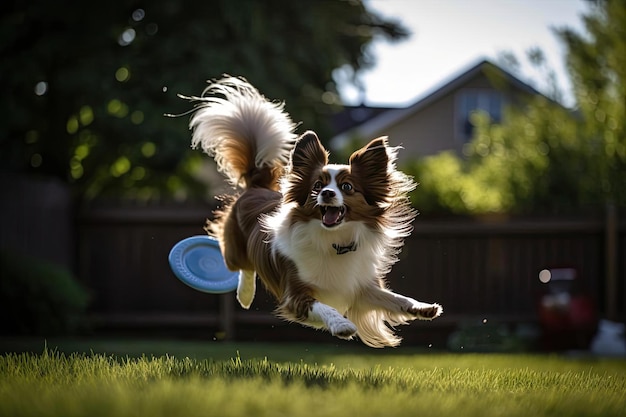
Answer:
(321, 237)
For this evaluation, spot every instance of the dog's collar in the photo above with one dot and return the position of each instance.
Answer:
(350, 247)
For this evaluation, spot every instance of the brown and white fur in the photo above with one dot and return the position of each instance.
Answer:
(320, 237)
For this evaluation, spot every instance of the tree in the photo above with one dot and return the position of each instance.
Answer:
(544, 157)
(597, 64)
(88, 83)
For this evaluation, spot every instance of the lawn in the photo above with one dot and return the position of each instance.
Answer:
(148, 378)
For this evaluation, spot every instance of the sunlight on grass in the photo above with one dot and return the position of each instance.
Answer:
(58, 384)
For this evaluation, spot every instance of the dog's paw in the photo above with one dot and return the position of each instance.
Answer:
(425, 311)
(344, 329)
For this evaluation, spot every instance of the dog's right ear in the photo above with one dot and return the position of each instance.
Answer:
(307, 159)
(308, 152)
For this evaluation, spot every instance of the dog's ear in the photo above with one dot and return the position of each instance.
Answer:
(308, 152)
(307, 158)
(369, 164)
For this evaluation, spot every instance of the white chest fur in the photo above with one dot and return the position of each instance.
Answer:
(335, 277)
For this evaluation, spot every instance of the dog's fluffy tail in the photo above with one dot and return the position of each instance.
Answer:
(249, 137)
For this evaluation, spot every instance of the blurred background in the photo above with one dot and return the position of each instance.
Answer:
(520, 159)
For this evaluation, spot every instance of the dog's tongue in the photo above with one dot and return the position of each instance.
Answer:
(331, 216)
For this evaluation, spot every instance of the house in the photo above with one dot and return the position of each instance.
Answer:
(440, 121)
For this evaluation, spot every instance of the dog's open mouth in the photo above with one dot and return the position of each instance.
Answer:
(332, 215)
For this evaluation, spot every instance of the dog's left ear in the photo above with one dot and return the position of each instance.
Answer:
(369, 164)
(307, 158)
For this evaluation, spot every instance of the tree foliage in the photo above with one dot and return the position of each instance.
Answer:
(597, 64)
(87, 83)
(544, 157)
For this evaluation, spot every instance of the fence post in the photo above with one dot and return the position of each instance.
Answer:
(227, 316)
(611, 261)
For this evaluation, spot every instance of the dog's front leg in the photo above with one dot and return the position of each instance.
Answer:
(397, 303)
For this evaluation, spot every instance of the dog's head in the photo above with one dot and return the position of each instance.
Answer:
(337, 194)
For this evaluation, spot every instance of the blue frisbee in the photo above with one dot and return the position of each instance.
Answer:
(197, 261)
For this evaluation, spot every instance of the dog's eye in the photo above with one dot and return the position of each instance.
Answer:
(317, 186)
(346, 186)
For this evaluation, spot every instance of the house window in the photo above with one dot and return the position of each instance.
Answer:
(469, 101)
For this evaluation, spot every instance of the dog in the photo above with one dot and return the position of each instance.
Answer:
(321, 237)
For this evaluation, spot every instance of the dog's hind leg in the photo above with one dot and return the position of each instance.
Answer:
(332, 320)
(246, 288)
(300, 306)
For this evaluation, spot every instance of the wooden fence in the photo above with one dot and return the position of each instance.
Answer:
(474, 268)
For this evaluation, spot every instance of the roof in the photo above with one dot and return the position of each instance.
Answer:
(381, 120)
(351, 116)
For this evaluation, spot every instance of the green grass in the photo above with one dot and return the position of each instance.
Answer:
(222, 379)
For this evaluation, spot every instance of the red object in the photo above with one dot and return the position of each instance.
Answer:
(569, 324)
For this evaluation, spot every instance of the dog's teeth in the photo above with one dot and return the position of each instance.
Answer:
(331, 215)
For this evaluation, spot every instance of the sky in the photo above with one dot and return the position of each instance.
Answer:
(449, 36)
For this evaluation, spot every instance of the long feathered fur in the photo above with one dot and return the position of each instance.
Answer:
(242, 131)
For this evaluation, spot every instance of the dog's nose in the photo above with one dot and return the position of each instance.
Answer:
(327, 194)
